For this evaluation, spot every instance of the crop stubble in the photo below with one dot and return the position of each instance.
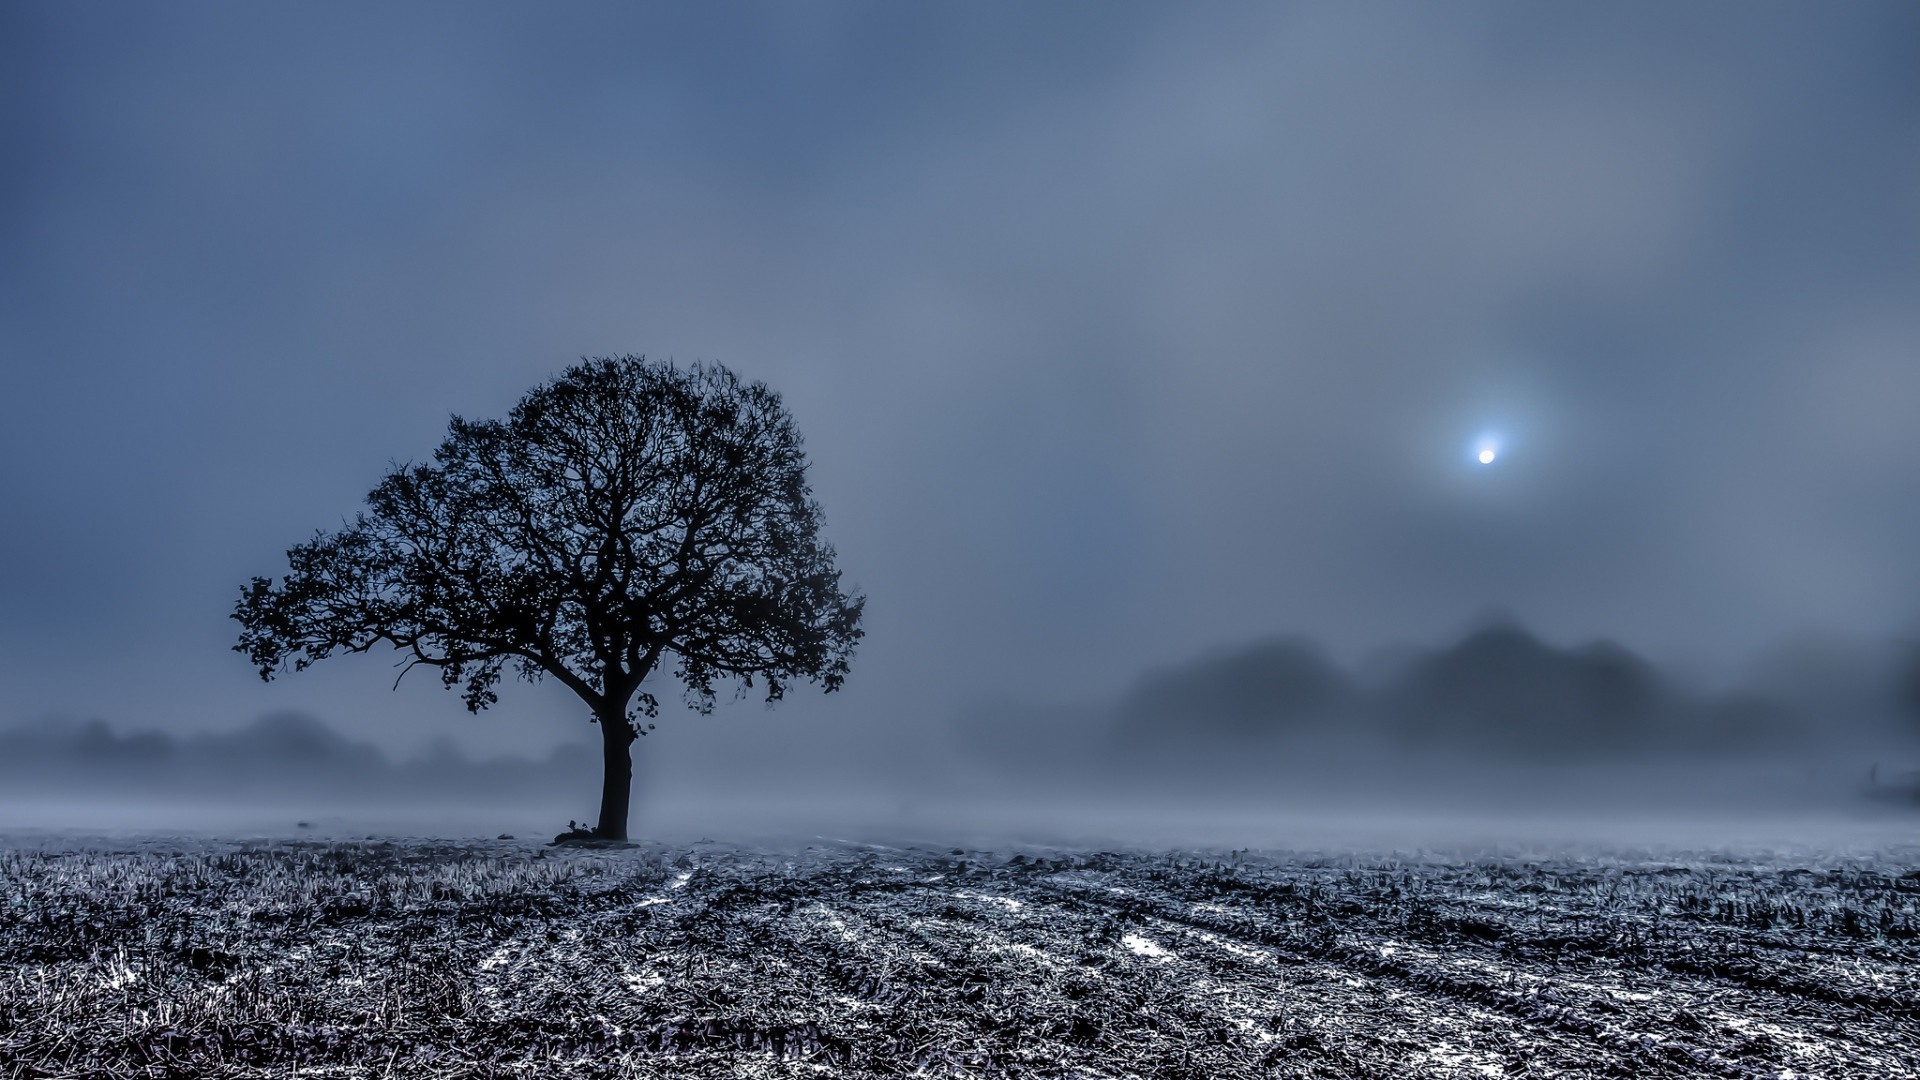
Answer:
(437, 959)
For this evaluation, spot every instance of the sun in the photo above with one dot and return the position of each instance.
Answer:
(1486, 447)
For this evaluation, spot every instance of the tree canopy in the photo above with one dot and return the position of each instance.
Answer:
(626, 514)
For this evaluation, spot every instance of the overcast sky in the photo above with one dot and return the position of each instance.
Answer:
(1117, 332)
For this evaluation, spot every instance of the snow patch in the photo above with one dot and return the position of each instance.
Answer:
(1140, 945)
(1007, 902)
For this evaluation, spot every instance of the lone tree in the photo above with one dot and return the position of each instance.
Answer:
(626, 512)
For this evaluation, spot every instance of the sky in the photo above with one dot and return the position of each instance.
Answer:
(1118, 333)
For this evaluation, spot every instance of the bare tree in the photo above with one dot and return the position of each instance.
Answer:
(628, 514)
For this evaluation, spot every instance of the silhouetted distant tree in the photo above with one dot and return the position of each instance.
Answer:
(626, 515)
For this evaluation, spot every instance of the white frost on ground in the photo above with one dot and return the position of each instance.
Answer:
(119, 973)
(1140, 945)
(1446, 1057)
(1021, 948)
(1798, 1043)
(1244, 952)
(836, 924)
(1343, 966)
(1007, 902)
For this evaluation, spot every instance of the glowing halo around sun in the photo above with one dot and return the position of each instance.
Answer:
(1486, 448)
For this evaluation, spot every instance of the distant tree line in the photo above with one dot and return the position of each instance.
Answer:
(284, 755)
(1500, 694)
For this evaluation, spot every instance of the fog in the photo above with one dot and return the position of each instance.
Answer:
(1497, 734)
(1142, 352)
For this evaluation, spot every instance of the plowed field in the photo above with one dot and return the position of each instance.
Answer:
(431, 959)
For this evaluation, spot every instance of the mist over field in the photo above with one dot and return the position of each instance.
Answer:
(1496, 733)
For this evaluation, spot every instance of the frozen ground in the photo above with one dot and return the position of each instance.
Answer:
(440, 959)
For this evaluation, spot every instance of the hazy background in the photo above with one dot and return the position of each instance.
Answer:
(1124, 337)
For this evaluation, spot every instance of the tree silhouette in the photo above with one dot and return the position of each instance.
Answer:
(625, 513)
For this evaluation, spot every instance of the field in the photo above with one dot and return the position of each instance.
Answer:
(437, 959)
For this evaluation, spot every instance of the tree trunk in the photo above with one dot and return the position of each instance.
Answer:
(616, 790)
